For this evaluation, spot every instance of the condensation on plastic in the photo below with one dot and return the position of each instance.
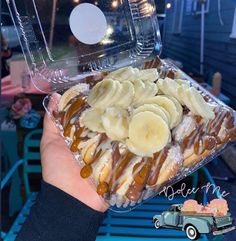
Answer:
(56, 58)
(184, 172)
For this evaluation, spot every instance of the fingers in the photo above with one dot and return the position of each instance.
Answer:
(49, 128)
(54, 101)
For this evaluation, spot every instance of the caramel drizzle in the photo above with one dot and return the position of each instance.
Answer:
(95, 157)
(103, 187)
(71, 102)
(99, 151)
(197, 118)
(115, 153)
(153, 64)
(210, 142)
(188, 141)
(204, 137)
(141, 172)
(230, 128)
(192, 139)
(67, 130)
(231, 134)
(74, 108)
(204, 142)
(213, 126)
(77, 137)
(79, 130)
(198, 145)
(85, 171)
(118, 169)
(59, 116)
(170, 74)
(159, 159)
(230, 121)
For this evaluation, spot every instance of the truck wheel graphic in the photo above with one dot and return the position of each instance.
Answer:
(157, 224)
(192, 232)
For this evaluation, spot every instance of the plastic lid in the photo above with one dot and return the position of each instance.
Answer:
(63, 41)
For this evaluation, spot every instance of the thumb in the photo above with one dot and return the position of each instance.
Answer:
(49, 127)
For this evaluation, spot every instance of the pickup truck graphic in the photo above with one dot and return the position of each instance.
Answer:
(193, 223)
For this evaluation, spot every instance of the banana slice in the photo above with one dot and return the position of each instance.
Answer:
(115, 121)
(70, 94)
(178, 74)
(183, 82)
(169, 87)
(179, 108)
(166, 114)
(102, 93)
(168, 105)
(156, 109)
(143, 90)
(116, 73)
(137, 150)
(91, 118)
(139, 91)
(117, 94)
(131, 75)
(124, 74)
(148, 75)
(148, 133)
(200, 105)
(127, 94)
(183, 86)
(182, 94)
(150, 90)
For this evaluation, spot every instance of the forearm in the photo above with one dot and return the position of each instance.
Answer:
(59, 216)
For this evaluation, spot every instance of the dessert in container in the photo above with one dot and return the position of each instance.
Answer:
(136, 130)
(133, 124)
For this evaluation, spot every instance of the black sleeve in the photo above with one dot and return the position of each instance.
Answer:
(57, 216)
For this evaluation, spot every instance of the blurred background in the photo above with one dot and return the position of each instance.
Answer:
(198, 36)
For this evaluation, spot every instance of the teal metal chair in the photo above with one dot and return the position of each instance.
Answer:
(9, 157)
(31, 164)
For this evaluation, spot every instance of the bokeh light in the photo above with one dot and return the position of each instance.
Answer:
(114, 4)
(168, 5)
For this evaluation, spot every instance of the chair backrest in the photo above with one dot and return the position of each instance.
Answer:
(31, 156)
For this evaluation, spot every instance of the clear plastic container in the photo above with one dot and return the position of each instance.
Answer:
(142, 178)
(66, 43)
(63, 41)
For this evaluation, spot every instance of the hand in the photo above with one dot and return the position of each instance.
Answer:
(60, 169)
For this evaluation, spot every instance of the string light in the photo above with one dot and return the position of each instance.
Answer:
(168, 5)
(76, 1)
(114, 4)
